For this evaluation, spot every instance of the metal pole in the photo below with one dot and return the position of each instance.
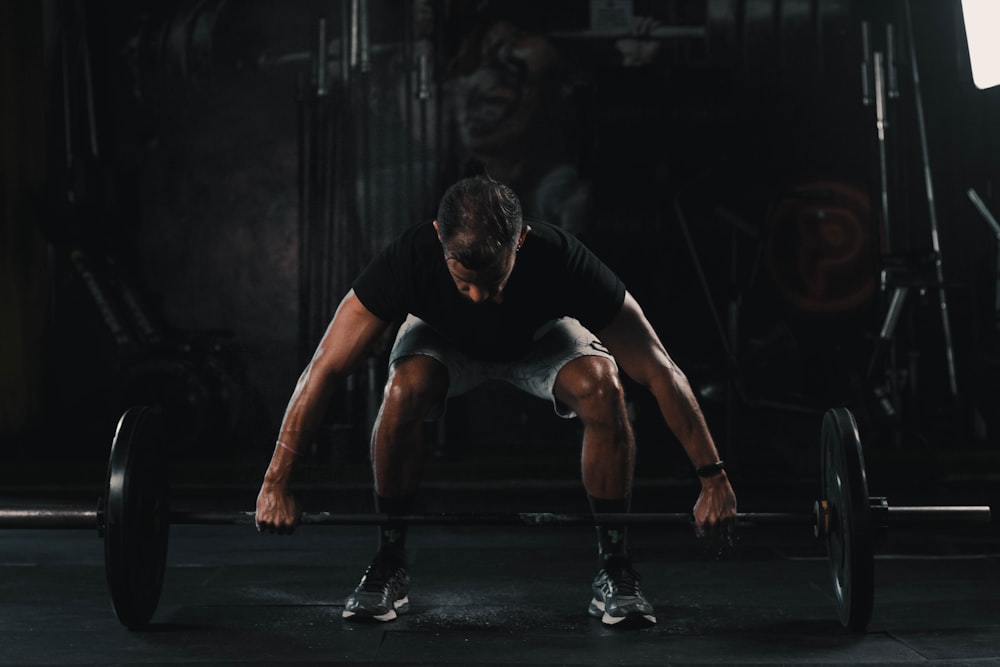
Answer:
(322, 75)
(892, 81)
(929, 184)
(80, 517)
(985, 212)
(866, 86)
(67, 91)
(488, 519)
(355, 12)
(324, 201)
(408, 106)
(302, 138)
(881, 123)
(361, 247)
(424, 74)
(995, 228)
(88, 81)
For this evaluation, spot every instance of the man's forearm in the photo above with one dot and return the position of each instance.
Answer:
(683, 415)
(299, 425)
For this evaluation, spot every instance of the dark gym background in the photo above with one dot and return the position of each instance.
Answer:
(189, 186)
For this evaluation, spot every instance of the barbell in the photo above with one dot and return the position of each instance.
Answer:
(134, 517)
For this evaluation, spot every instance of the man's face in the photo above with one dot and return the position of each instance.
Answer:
(486, 284)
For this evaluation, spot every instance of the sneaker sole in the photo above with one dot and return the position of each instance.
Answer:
(398, 607)
(628, 621)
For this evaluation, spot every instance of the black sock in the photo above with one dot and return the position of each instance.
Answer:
(611, 538)
(392, 534)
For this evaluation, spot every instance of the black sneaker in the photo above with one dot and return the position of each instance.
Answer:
(618, 600)
(382, 593)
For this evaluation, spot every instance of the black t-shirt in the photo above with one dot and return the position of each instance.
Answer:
(554, 275)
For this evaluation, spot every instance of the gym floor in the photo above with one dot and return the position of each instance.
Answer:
(516, 596)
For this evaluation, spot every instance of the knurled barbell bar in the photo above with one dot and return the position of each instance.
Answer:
(134, 517)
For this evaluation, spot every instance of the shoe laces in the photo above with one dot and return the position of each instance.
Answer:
(623, 577)
(378, 574)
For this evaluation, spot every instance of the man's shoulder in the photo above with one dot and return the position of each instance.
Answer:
(551, 236)
(546, 229)
(411, 248)
(552, 240)
(399, 271)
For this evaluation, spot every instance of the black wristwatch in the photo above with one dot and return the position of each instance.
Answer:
(711, 470)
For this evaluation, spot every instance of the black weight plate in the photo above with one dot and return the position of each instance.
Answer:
(850, 547)
(137, 516)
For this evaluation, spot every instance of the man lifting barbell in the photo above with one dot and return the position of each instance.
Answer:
(483, 295)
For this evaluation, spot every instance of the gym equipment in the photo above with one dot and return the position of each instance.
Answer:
(133, 517)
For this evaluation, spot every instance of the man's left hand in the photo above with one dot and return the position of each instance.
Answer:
(715, 511)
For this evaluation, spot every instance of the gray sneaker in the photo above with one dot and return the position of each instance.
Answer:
(618, 600)
(382, 593)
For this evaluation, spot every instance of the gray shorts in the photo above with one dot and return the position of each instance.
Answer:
(555, 344)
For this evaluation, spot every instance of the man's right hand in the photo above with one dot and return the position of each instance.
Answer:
(277, 511)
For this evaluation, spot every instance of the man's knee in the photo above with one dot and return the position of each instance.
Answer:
(416, 384)
(591, 386)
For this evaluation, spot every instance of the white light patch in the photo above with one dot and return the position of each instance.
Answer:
(982, 28)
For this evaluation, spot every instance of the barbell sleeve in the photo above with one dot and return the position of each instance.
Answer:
(939, 513)
(54, 516)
